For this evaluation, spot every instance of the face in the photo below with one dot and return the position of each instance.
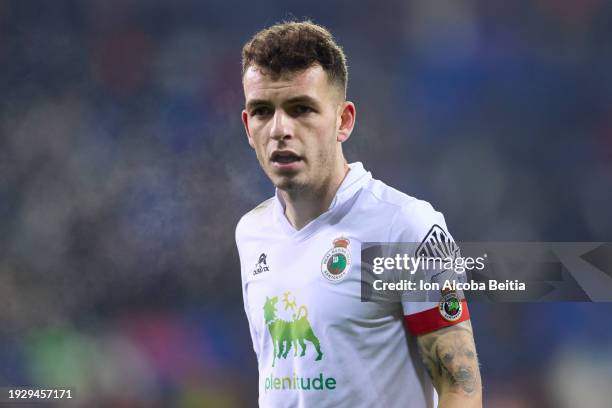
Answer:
(296, 124)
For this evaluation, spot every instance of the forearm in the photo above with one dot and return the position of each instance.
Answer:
(459, 385)
(450, 357)
(458, 400)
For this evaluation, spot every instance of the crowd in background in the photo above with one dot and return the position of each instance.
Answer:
(124, 169)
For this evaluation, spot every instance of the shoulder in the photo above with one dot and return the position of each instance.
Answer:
(254, 220)
(416, 220)
(411, 218)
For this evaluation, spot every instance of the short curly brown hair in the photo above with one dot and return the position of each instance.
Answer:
(295, 46)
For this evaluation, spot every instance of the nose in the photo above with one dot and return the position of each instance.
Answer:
(281, 126)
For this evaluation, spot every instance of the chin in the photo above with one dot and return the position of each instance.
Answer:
(288, 184)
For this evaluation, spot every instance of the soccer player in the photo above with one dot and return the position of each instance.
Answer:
(317, 343)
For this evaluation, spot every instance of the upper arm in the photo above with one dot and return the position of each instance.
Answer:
(450, 357)
(444, 335)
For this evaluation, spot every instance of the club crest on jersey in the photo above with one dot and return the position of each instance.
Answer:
(337, 261)
(450, 306)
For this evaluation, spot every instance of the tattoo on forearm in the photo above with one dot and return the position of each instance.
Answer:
(450, 357)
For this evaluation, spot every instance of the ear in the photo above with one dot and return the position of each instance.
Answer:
(346, 121)
(245, 122)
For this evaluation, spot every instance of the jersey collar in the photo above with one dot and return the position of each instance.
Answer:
(354, 180)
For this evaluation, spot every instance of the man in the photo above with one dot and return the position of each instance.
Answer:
(317, 343)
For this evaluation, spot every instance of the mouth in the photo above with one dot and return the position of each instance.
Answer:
(284, 158)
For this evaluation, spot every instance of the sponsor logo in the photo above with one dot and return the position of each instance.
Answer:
(450, 306)
(296, 382)
(289, 333)
(337, 261)
(261, 265)
(297, 333)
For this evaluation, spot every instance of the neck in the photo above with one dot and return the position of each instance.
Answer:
(304, 206)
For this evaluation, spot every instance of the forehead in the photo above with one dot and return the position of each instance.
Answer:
(312, 81)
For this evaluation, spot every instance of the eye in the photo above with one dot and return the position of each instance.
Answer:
(447, 357)
(261, 111)
(302, 109)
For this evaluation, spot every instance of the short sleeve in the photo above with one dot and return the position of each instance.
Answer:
(243, 273)
(425, 228)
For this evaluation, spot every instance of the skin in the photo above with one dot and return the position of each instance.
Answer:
(302, 112)
(450, 357)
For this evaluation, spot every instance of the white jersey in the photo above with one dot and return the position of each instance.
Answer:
(317, 343)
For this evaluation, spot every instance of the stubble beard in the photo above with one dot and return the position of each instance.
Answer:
(304, 187)
(291, 184)
(306, 184)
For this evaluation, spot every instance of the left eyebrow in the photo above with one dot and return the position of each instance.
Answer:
(291, 101)
(302, 99)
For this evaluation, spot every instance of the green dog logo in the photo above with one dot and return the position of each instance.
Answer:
(287, 333)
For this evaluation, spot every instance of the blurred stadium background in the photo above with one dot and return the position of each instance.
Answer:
(124, 169)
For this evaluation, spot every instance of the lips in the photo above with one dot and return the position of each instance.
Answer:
(284, 157)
